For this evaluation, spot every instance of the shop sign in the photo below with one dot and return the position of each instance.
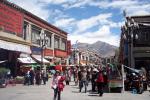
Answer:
(11, 20)
(48, 52)
(69, 47)
(36, 50)
(60, 53)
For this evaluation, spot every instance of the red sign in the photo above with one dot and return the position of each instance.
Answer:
(68, 47)
(48, 52)
(60, 53)
(11, 20)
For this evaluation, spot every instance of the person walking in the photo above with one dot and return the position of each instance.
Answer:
(44, 76)
(57, 85)
(27, 78)
(67, 77)
(83, 80)
(100, 82)
(94, 76)
(32, 75)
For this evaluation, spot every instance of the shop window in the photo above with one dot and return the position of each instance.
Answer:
(63, 45)
(25, 30)
(146, 36)
(35, 34)
(56, 42)
(49, 35)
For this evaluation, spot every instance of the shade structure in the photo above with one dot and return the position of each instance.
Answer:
(26, 60)
(58, 67)
(3, 61)
(38, 58)
(15, 47)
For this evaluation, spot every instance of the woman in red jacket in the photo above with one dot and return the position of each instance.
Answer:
(57, 85)
(100, 82)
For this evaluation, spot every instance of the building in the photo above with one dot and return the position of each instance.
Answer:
(135, 42)
(20, 32)
(84, 57)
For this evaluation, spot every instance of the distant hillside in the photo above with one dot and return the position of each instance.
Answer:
(102, 48)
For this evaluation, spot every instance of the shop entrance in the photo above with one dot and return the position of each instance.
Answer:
(11, 60)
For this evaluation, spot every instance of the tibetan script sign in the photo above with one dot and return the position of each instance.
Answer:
(11, 20)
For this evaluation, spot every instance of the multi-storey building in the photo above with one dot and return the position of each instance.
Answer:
(19, 34)
(135, 42)
(85, 58)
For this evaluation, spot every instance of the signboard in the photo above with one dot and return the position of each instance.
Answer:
(11, 20)
(59, 53)
(68, 47)
(48, 52)
(36, 50)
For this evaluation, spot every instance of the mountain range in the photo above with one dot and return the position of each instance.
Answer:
(101, 48)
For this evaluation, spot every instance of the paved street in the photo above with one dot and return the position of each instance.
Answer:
(43, 92)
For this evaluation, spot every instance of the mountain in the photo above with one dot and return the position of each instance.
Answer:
(101, 48)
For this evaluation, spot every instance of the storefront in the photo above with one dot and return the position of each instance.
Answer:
(10, 52)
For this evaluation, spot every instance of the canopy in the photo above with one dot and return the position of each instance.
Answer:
(133, 69)
(3, 61)
(14, 46)
(26, 60)
(38, 58)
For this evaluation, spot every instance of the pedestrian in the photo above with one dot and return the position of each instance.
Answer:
(32, 75)
(27, 78)
(44, 77)
(67, 78)
(79, 78)
(83, 80)
(100, 82)
(38, 77)
(57, 85)
(94, 76)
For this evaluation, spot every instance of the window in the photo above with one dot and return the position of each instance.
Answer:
(146, 36)
(25, 30)
(56, 42)
(63, 45)
(48, 34)
(83, 58)
(35, 34)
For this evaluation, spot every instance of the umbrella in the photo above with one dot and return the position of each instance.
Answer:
(58, 67)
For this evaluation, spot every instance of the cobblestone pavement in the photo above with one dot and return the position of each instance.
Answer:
(44, 92)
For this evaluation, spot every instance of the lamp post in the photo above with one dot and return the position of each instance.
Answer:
(130, 26)
(43, 39)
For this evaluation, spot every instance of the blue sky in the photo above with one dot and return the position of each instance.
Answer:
(87, 21)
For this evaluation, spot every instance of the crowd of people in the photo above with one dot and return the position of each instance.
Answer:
(98, 77)
(82, 76)
(38, 77)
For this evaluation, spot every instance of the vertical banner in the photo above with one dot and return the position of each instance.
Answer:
(68, 47)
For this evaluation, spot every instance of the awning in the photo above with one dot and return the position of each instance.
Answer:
(3, 61)
(38, 58)
(14, 47)
(27, 60)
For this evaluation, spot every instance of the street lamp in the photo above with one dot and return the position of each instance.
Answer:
(130, 26)
(43, 40)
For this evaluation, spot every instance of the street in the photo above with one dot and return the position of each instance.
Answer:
(44, 92)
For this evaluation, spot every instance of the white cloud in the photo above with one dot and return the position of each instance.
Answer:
(103, 34)
(85, 24)
(133, 7)
(64, 22)
(34, 7)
